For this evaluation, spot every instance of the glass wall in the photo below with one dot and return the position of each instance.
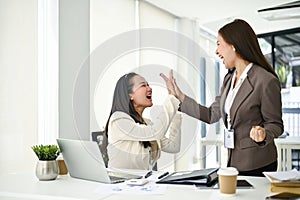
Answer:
(282, 49)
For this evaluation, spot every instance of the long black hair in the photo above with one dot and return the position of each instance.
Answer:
(122, 102)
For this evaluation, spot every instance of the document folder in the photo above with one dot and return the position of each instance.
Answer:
(196, 177)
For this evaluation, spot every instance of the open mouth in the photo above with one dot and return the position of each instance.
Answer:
(149, 96)
(222, 58)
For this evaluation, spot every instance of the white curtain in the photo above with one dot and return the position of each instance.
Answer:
(18, 85)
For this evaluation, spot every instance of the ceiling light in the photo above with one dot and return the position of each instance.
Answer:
(284, 11)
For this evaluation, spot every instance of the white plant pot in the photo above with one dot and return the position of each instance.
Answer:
(46, 170)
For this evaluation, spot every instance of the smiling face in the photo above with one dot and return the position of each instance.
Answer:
(141, 95)
(226, 52)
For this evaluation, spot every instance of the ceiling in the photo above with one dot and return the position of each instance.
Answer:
(213, 14)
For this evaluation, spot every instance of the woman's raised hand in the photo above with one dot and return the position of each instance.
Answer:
(172, 86)
(169, 83)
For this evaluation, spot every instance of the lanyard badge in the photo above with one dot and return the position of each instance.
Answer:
(229, 138)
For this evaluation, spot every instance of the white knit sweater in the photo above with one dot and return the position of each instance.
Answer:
(125, 149)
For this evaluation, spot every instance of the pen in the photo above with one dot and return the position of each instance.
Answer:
(163, 175)
(148, 174)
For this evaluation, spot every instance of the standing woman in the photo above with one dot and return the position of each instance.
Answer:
(249, 103)
(133, 141)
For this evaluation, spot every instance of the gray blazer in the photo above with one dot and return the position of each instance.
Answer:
(258, 102)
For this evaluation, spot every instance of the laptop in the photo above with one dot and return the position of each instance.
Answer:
(84, 160)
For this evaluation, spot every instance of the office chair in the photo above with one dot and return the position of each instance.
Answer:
(97, 136)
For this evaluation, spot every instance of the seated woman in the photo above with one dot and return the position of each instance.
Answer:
(133, 141)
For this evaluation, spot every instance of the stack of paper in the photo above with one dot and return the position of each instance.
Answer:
(284, 181)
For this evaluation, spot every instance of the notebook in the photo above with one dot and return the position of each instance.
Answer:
(84, 160)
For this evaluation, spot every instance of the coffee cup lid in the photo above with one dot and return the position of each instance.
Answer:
(228, 171)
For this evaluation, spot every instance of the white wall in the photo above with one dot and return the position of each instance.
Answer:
(109, 20)
(74, 49)
(18, 84)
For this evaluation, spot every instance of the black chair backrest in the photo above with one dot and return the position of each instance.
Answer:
(97, 136)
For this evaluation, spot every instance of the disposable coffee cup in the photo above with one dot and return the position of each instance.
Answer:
(227, 180)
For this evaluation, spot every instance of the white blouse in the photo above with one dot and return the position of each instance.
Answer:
(233, 91)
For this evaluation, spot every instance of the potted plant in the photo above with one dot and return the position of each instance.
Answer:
(282, 72)
(46, 168)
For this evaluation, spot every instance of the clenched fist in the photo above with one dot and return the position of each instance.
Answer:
(258, 133)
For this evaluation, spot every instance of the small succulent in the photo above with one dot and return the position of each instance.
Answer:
(46, 152)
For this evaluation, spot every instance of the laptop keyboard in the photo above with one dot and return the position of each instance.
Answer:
(122, 176)
(115, 178)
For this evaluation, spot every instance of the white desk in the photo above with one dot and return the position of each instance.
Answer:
(284, 150)
(28, 187)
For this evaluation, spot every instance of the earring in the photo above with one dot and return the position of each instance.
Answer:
(233, 49)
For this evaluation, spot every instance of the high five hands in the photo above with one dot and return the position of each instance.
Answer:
(172, 86)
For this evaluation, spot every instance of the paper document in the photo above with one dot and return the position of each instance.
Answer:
(292, 175)
(122, 188)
